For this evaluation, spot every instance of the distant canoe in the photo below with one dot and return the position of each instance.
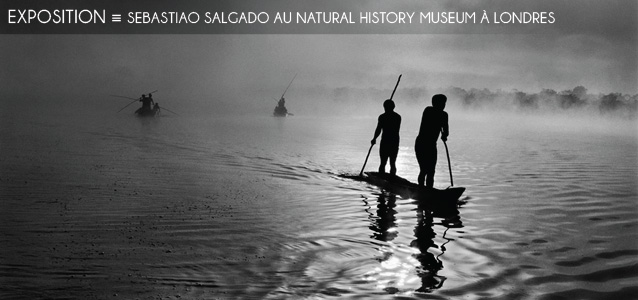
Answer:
(146, 112)
(431, 197)
(280, 111)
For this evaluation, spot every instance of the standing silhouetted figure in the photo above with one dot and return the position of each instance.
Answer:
(389, 123)
(156, 109)
(433, 122)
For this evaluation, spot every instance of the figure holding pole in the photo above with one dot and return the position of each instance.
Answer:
(434, 122)
(388, 126)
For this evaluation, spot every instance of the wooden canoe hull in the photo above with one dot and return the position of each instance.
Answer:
(427, 196)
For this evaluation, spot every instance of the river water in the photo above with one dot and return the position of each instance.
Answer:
(253, 207)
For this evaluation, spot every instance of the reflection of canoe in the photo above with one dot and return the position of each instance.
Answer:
(407, 189)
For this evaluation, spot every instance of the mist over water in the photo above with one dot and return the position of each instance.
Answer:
(99, 204)
(223, 201)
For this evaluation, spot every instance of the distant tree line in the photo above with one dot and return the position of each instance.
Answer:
(577, 98)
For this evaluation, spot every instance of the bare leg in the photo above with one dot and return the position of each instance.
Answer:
(384, 160)
(430, 180)
(421, 160)
(430, 168)
(393, 167)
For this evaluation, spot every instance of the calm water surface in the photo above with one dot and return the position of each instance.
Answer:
(114, 207)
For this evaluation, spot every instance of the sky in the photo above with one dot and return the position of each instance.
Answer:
(593, 44)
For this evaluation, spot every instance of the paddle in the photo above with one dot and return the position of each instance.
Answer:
(365, 162)
(293, 79)
(448, 163)
(370, 150)
(395, 87)
(128, 105)
(166, 109)
(123, 97)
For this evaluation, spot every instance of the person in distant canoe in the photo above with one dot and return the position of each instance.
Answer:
(280, 109)
(156, 109)
(146, 102)
(433, 122)
(389, 123)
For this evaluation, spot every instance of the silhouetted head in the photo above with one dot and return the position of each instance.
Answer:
(388, 105)
(438, 101)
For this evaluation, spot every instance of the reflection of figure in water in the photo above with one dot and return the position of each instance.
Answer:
(433, 122)
(430, 264)
(386, 218)
(389, 123)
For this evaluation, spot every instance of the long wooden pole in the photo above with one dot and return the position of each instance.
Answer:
(127, 105)
(130, 98)
(395, 87)
(166, 109)
(293, 79)
(448, 163)
(365, 162)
